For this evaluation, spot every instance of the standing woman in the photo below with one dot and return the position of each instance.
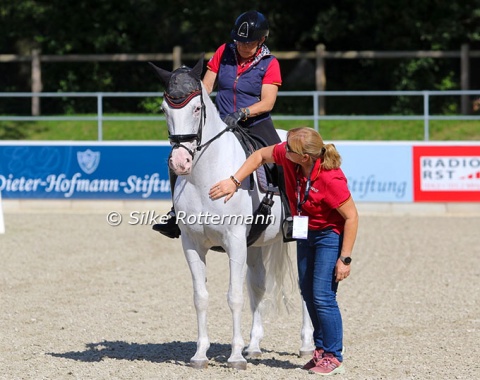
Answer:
(325, 224)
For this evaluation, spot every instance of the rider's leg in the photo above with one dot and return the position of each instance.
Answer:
(169, 226)
(264, 131)
(281, 188)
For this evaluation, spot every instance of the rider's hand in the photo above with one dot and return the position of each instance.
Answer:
(233, 118)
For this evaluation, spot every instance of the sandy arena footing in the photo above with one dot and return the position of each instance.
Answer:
(81, 299)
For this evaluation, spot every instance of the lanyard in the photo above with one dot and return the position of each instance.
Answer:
(307, 190)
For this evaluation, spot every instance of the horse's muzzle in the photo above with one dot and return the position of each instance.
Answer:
(181, 160)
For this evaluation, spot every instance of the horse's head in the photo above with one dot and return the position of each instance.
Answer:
(185, 113)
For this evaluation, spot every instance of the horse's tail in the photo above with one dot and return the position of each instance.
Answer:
(280, 288)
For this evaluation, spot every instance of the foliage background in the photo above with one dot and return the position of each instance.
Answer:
(145, 26)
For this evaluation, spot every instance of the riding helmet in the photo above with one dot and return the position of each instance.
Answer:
(250, 26)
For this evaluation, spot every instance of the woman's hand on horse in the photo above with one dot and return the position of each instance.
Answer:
(225, 188)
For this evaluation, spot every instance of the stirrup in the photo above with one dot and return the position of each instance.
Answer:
(170, 227)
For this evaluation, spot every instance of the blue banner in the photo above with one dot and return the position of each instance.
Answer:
(378, 172)
(91, 171)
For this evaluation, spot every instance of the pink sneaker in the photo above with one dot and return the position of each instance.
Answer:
(328, 365)
(317, 355)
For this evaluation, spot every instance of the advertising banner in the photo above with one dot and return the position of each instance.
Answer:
(378, 172)
(447, 173)
(90, 171)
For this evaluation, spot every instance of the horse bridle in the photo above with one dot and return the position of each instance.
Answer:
(178, 140)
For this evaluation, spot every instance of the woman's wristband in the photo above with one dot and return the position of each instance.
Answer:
(235, 181)
(246, 111)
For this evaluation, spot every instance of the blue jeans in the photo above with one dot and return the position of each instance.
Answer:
(316, 259)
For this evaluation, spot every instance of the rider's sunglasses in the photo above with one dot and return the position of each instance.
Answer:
(247, 44)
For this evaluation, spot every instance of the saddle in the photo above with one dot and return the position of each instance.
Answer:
(264, 174)
(267, 181)
(266, 177)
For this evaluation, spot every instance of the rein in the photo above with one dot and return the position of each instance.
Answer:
(227, 129)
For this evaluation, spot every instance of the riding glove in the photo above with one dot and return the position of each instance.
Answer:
(233, 118)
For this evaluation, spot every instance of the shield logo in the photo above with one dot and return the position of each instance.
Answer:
(243, 30)
(88, 160)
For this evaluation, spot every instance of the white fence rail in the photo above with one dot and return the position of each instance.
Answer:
(317, 117)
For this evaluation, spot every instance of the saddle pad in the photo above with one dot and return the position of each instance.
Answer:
(262, 182)
(250, 145)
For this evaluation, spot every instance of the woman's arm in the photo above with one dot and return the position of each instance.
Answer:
(209, 80)
(268, 98)
(227, 187)
(349, 212)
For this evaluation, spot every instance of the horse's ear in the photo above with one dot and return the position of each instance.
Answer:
(164, 75)
(198, 68)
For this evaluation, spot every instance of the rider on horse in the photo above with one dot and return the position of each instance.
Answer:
(247, 76)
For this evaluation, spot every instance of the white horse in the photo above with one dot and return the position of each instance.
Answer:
(204, 152)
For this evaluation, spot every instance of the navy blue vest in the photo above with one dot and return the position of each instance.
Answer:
(239, 92)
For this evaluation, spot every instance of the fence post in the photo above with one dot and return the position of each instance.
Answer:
(36, 81)
(100, 116)
(320, 76)
(465, 77)
(177, 57)
(315, 111)
(426, 115)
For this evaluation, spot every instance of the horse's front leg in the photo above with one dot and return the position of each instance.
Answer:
(197, 264)
(237, 259)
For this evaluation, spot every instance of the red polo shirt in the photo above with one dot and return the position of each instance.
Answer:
(272, 75)
(328, 191)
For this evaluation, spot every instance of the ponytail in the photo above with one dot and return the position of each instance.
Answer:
(331, 159)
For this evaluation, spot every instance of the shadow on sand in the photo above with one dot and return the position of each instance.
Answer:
(171, 352)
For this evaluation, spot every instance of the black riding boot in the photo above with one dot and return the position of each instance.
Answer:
(278, 179)
(287, 222)
(169, 226)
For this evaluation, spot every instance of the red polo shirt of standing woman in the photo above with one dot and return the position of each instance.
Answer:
(328, 191)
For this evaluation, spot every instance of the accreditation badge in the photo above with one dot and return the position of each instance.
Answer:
(300, 227)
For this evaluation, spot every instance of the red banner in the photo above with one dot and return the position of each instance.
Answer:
(446, 173)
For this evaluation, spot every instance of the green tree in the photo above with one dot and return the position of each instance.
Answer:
(145, 26)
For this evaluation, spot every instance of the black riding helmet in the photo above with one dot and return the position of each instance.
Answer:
(250, 26)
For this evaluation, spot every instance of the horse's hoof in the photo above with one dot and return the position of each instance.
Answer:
(253, 354)
(199, 364)
(306, 353)
(240, 365)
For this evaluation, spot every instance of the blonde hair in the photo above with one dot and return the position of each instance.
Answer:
(305, 140)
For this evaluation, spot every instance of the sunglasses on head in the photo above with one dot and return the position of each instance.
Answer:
(290, 150)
